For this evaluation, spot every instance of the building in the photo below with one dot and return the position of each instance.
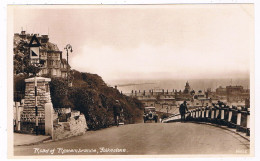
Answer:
(50, 55)
(237, 94)
(187, 88)
(221, 91)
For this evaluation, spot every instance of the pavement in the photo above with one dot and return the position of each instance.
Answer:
(233, 130)
(29, 139)
(145, 139)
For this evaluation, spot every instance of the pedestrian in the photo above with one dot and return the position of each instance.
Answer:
(183, 108)
(117, 109)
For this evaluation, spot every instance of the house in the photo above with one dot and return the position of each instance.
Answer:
(53, 65)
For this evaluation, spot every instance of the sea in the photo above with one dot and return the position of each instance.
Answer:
(126, 86)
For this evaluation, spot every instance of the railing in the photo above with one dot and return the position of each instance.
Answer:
(236, 117)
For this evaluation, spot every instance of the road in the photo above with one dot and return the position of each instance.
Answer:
(148, 138)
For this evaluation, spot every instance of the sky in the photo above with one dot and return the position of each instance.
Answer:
(148, 42)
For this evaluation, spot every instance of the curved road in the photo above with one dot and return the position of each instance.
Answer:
(149, 138)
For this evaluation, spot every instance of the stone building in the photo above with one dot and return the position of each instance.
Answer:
(54, 65)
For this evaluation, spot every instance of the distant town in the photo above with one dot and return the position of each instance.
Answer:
(168, 100)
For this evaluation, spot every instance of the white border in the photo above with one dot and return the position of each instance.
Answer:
(3, 59)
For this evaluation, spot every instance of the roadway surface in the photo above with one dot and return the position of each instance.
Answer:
(148, 138)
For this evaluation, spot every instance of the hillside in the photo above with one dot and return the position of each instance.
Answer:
(91, 96)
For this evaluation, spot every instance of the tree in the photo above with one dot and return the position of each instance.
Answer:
(32, 69)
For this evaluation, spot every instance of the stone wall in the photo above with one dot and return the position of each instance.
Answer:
(75, 126)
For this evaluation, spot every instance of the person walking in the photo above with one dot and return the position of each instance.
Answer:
(117, 109)
(183, 108)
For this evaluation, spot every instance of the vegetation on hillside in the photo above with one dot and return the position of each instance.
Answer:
(91, 96)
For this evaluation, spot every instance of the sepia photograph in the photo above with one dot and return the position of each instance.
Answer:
(131, 80)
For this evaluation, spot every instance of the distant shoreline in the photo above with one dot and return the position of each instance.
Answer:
(126, 86)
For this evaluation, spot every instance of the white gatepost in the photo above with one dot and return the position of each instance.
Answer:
(18, 116)
(48, 119)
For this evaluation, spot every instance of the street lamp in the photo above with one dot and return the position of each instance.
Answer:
(68, 48)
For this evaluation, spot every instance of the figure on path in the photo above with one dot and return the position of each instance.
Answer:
(183, 108)
(117, 110)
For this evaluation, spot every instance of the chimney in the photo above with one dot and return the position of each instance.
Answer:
(22, 35)
(115, 86)
(144, 92)
(44, 39)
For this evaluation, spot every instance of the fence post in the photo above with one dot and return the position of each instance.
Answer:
(203, 114)
(222, 115)
(196, 114)
(238, 119)
(229, 114)
(207, 113)
(248, 122)
(212, 113)
(200, 111)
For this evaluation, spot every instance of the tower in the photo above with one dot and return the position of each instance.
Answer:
(187, 88)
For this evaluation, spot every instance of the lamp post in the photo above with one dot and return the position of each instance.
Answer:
(68, 48)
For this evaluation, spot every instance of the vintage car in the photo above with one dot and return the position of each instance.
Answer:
(150, 114)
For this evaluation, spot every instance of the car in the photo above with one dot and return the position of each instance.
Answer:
(150, 114)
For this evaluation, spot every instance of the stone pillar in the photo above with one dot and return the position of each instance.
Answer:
(48, 119)
(28, 118)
